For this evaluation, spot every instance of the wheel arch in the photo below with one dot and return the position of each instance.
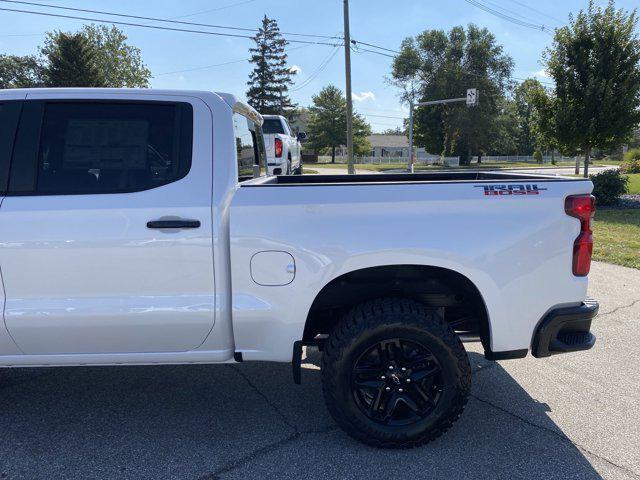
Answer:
(439, 287)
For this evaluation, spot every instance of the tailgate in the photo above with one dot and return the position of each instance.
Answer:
(268, 145)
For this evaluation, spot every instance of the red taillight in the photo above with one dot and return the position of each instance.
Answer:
(278, 145)
(582, 207)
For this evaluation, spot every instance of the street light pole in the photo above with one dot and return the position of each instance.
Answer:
(347, 69)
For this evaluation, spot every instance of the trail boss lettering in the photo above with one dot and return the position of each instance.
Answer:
(493, 190)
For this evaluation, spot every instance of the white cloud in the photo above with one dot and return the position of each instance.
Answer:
(542, 73)
(363, 96)
(181, 78)
(296, 69)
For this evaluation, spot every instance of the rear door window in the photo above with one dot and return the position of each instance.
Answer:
(104, 147)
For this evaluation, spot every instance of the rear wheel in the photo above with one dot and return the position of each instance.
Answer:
(394, 374)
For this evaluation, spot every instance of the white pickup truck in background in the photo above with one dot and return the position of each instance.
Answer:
(284, 152)
(137, 227)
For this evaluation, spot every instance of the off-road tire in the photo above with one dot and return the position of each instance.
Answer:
(375, 321)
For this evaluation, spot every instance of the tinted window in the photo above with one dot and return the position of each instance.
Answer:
(288, 128)
(249, 148)
(112, 147)
(9, 113)
(272, 125)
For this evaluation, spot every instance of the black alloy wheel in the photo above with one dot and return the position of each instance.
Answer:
(397, 382)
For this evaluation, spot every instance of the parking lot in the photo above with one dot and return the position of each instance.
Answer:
(571, 416)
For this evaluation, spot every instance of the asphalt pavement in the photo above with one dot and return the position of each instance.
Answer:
(569, 416)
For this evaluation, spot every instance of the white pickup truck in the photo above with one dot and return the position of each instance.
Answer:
(284, 152)
(137, 227)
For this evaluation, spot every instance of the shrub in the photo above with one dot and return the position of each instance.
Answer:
(631, 161)
(632, 154)
(608, 186)
(538, 156)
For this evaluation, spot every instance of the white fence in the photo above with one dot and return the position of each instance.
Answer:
(521, 158)
(426, 159)
(421, 160)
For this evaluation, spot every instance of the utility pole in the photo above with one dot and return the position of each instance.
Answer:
(347, 70)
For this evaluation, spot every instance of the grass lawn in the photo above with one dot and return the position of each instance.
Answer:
(617, 237)
(634, 183)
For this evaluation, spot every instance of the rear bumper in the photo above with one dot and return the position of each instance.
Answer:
(565, 329)
(276, 165)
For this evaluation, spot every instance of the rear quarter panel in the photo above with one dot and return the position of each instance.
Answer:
(516, 249)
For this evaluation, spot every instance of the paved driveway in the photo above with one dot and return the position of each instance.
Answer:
(572, 416)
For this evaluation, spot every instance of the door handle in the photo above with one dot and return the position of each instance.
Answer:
(174, 223)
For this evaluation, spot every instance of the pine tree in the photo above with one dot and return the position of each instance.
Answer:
(71, 62)
(270, 79)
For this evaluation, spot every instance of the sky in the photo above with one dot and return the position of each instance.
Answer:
(180, 60)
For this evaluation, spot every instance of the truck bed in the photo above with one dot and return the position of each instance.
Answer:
(426, 177)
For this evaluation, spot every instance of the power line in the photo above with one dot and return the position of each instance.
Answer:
(358, 49)
(380, 116)
(386, 110)
(509, 18)
(204, 67)
(508, 11)
(522, 4)
(155, 27)
(200, 12)
(324, 64)
(445, 69)
(21, 34)
(355, 42)
(384, 124)
(153, 19)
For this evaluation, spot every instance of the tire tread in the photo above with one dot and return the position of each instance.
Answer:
(371, 315)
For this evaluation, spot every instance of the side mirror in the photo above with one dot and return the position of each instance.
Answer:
(302, 137)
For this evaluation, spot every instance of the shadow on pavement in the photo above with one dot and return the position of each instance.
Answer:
(251, 421)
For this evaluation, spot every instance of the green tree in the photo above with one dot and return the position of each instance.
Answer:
(120, 63)
(437, 65)
(528, 116)
(20, 72)
(270, 78)
(544, 124)
(96, 56)
(595, 62)
(71, 61)
(327, 125)
(506, 129)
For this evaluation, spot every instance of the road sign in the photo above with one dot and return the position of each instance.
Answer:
(472, 97)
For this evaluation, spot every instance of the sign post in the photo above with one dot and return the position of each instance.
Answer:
(471, 100)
